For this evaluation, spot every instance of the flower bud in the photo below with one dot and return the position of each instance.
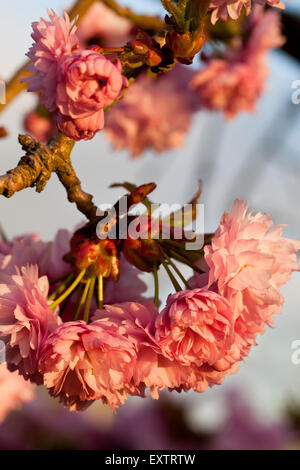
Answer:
(143, 254)
(107, 263)
(86, 256)
(185, 45)
(139, 47)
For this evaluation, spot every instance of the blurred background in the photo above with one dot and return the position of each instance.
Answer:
(255, 157)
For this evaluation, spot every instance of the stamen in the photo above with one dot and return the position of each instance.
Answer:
(68, 291)
(89, 300)
(100, 292)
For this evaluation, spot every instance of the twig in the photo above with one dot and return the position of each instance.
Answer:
(36, 167)
(151, 24)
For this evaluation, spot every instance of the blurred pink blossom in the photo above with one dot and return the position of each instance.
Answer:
(104, 25)
(234, 82)
(30, 249)
(42, 128)
(130, 286)
(233, 8)
(14, 391)
(154, 114)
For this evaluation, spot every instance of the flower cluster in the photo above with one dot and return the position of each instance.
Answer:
(148, 117)
(129, 346)
(76, 85)
(233, 82)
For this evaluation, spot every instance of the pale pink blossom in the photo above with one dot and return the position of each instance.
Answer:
(53, 40)
(82, 128)
(154, 114)
(104, 26)
(88, 83)
(249, 260)
(234, 82)
(221, 9)
(233, 8)
(81, 363)
(30, 249)
(195, 327)
(14, 391)
(154, 370)
(25, 317)
(42, 128)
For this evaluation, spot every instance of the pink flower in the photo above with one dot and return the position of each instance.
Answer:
(88, 83)
(42, 128)
(103, 26)
(82, 128)
(235, 82)
(195, 327)
(30, 249)
(81, 363)
(232, 87)
(233, 8)
(25, 317)
(53, 40)
(14, 391)
(154, 114)
(153, 369)
(249, 261)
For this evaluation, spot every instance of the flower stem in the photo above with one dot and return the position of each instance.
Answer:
(172, 277)
(89, 299)
(177, 271)
(156, 286)
(68, 291)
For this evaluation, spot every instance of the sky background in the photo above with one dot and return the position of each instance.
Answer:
(255, 157)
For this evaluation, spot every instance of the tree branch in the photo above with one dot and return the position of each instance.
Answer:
(36, 167)
(148, 23)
